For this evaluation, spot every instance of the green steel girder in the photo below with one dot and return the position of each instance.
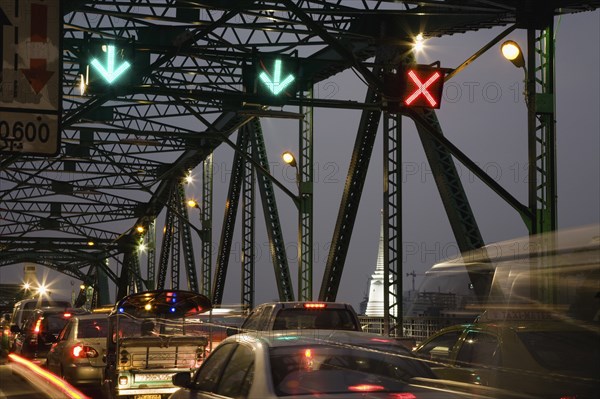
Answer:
(185, 240)
(233, 195)
(248, 219)
(165, 252)
(455, 201)
(121, 149)
(271, 214)
(305, 208)
(392, 225)
(355, 179)
(206, 228)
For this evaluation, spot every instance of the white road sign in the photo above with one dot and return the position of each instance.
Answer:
(30, 92)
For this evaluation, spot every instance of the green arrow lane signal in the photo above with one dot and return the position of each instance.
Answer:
(276, 86)
(109, 73)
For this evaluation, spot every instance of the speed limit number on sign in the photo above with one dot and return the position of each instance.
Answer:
(30, 91)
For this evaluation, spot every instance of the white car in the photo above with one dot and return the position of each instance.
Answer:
(311, 363)
(77, 355)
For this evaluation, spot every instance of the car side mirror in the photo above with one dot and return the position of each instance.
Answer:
(15, 329)
(182, 379)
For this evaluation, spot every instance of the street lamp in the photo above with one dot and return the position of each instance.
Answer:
(512, 52)
(192, 203)
(289, 159)
(419, 43)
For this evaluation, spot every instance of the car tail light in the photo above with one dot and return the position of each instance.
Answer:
(38, 326)
(315, 305)
(402, 395)
(365, 388)
(66, 315)
(83, 351)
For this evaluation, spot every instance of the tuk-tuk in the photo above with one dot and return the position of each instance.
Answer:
(150, 339)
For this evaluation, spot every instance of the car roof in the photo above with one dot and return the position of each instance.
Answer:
(58, 310)
(282, 338)
(93, 316)
(520, 326)
(173, 303)
(300, 304)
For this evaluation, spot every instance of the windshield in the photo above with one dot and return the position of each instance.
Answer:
(92, 328)
(299, 318)
(127, 326)
(325, 369)
(54, 323)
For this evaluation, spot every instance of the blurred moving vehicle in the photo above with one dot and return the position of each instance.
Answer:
(21, 312)
(40, 331)
(300, 316)
(312, 363)
(217, 323)
(544, 358)
(77, 355)
(150, 338)
(535, 322)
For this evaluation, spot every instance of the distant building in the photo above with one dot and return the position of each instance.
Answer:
(30, 275)
(375, 302)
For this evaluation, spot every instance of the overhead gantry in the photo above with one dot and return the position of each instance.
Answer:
(191, 83)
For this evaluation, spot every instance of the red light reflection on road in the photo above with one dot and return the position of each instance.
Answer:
(59, 383)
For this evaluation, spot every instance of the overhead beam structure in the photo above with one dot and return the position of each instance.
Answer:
(126, 146)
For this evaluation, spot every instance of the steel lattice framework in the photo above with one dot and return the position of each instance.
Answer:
(124, 152)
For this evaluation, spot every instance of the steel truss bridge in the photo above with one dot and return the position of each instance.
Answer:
(125, 152)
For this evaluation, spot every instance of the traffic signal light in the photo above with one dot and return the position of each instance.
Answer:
(108, 65)
(273, 78)
(414, 86)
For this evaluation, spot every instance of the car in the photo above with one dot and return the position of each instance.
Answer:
(40, 331)
(313, 363)
(77, 355)
(524, 352)
(21, 312)
(273, 316)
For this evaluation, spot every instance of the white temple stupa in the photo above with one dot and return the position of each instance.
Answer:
(375, 302)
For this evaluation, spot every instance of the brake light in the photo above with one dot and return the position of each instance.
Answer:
(365, 388)
(67, 315)
(37, 327)
(403, 395)
(381, 340)
(315, 305)
(82, 351)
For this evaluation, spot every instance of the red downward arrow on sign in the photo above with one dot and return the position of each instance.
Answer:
(37, 74)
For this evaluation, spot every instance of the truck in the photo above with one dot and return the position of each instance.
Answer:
(150, 338)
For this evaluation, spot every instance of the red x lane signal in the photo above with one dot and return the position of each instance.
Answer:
(424, 86)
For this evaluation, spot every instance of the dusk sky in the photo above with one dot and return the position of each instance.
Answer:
(483, 113)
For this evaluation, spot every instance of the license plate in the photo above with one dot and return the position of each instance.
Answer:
(147, 397)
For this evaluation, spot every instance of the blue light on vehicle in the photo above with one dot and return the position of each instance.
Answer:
(172, 310)
(121, 310)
